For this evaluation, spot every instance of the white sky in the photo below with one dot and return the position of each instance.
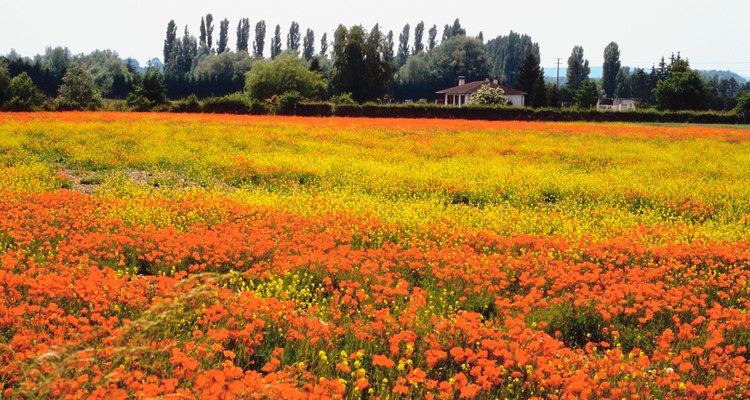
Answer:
(711, 34)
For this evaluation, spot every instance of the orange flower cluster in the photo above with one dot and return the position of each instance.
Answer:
(236, 300)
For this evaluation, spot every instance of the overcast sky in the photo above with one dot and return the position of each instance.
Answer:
(711, 34)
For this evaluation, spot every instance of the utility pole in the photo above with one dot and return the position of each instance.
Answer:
(558, 73)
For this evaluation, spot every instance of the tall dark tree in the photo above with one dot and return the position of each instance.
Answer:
(202, 37)
(587, 95)
(308, 45)
(324, 44)
(578, 69)
(293, 38)
(507, 54)
(553, 96)
(446, 33)
(209, 30)
(683, 89)
(640, 85)
(432, 38)
(622, 85)
(187, 51)
(531, 81)
(456, 29)
(358, 65)
(170, 42)
(260, 39)
(223, 36)
(480, 36)
(243, 34)
(403, 46)
(276, 42)
(388, 47)
(418, 35)
(610, 69)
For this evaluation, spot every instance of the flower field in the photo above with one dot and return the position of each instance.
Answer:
(221, 257)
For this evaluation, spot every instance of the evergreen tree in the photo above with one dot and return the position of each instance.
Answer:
(587, 95)
(456, 29)
(622, 85)
(293, 38)
(4, 82)
(78, 91)
(276, 42)
(403, 46)
(507, 54)
(578, 69)
(610, 69)
(324, 45)
(223, 36)
(531, 81)
(209, 30)
(243, 34)
(553, 96)
(432, 38)
(418, 35)
(640, 85)
(308, 45)
(260, 39)
(150, 92)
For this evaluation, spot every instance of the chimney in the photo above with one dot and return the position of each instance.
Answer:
(495, 81)
(461, 80)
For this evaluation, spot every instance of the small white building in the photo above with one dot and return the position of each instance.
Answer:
(461, 95)
(616, 104)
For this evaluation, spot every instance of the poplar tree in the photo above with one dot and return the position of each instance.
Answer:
(403, 46)
(293, 38)
(324, 44)
(209, 30)
(432, 38)
(223, 36)
(578, 69)
(260, 39)
(610, 69)
(243, 34)
(276, 42)
(418, 35)
(308, 45)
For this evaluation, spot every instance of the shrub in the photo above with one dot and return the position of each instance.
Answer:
(286, 73)
(150, 93)
(235, 103)
(343, 99)
(189, 104)
(286, 104)
(23, 95)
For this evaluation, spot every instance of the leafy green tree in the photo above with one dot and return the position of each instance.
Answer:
(243, 35)
(222, 46)
(578, 69)
(209, 30)
(285, 73)
(293, 38)
(403, 46)
(23, 95)
(276, 42)
(78, 91)
(610, 69)
(506, 55)
(487, 95)
(260, 39)
(388, 52)
(56, 60)
(683, 89)
(587, 95)
(227, 66)
(109, 71)
(150, 93)
(446, 33)
(170, 42)
(456, 29)
(641, 86)
(202, 37)
(359, 69)
(432, 38)
(324, 45)
(308, 45)
(185, 52)
(418, 35)
(531, 81)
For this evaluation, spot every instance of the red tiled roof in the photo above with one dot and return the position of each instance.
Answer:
(471, 87)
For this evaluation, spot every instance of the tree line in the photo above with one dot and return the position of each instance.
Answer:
(359, 64)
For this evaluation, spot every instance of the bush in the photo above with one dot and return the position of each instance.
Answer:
(150, 93)
(286, 73)
(189, 104)
(235, 103)
(286, 104)
(23, 95)
(343, 99)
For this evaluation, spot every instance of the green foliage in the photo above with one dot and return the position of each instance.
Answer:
(170, 41)
(506, 55)
(286, 104)
(343, 99)
(554, 100)
(23, 95)
(683, 89)
(743, 106)
(324, 45)
(487, 95)
(78, 91)
(150, 93)
(293, 38)
(308, 45)
(276, 42)
(610, 69)
(531, 81)
(286, 73)
(403, 46)
(209, 30)
(228, 65)
(4, 81)
(622, 85)
(235, 103)
(578, 69)
(418, 35)
(432, 38)
(223, 36)
(260, 39)
(109, 71)
(243, 36)
(189, 104)
(359, 68)
(587, 95)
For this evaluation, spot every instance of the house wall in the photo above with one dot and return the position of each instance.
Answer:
(517, 100)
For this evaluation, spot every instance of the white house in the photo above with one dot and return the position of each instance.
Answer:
(461, 94)
(615, 104)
